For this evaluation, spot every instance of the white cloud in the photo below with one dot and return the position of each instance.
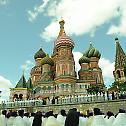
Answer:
(26, 68)
(5, 86)
(107, 70)
(50, 31)
(3, 2)
(120, 29)
(77, 56)
(27, 65)
(37, 10)
(81, 16)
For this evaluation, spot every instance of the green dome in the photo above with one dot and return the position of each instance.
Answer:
(39, 54)
(84, 59)
(92, 52)
(86, 52)
(47, 60)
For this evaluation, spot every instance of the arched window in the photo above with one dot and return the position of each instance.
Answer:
(21, 96)
(49, 88)
(15, 97)
(118, 74)
(44, 88)
(67, 85)
(64, 69)
(62, 85)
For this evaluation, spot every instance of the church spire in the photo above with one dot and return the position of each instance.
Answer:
(90, 46)
(120, 55)
(61, 22)
(22, 82)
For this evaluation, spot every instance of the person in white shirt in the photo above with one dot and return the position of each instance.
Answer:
(51, 120)
(10, 120)
(110, 118)
(31, 118)
(98, 119)
(26, 119)
(120, 119)
(3, 118)
(19, 121)
(61, 117)
(82, 120)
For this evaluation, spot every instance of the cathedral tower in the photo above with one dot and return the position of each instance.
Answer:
(45, 84)
(90, 71)
(36, 71)
(64, 63)
(119, 73)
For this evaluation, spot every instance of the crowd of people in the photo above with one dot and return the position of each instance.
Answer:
(71, 118)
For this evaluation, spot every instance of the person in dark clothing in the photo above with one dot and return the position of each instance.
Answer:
(37, 121)
(53, 100)
(72, 118)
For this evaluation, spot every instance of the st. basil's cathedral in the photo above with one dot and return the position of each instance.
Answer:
(55, 76)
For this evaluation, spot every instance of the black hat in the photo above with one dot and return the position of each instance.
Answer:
(122, 111)
(109, 114)
(97, 111)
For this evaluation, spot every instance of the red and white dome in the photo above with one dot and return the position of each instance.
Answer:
(64, 40)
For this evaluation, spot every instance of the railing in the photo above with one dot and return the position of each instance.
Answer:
(65, 100)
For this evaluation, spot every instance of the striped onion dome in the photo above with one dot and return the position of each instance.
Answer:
(92, 52)
(84, 59)
(62, 38)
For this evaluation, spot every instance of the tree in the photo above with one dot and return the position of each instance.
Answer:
(94, 89)
(121, 86)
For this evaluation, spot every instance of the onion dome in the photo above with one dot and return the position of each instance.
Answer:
(92, 52)
(47, 60)
(63, 39)
(39, 54)
(84, 59)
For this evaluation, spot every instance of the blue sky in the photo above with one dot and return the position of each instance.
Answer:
(26, 25)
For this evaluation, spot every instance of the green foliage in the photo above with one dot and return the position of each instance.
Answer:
(115, 84)
(121, 86)
(95, 89)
